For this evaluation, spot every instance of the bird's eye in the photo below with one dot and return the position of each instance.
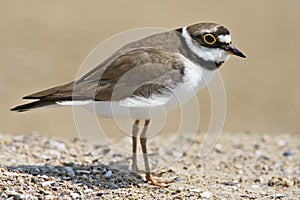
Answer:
(209, 39)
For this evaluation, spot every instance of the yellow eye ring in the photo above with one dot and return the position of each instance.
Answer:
(209, 39)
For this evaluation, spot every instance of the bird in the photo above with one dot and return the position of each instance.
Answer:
(145, 74)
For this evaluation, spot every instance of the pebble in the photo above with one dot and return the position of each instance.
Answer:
(18, 138)
(205, 194)
(278, 196)
(53, 152)
(281, 143)
(195, 190)
(73, 152)
(88, 191)
(10, 173)
(238, 166)
(83, 172)
(50, 197)
(247, 196)
(70, 171)
(108, 174)
(26, 196)
(258, 153)
(218, 148)
(229, 183)
(14, 196)
(74, 195)
(287, 153)
(58, 145)
(47, 183)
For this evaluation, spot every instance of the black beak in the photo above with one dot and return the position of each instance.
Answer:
(234, 51)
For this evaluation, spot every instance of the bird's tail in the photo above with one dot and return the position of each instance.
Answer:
(33, 105)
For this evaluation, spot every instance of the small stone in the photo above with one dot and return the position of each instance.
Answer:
(47, 183)
(88, 191)
(287, 153)
(73, 152)
(229, 183)
(205, 194)
(49, 197)
(235, 187)
(118, 179)
(70, 171)
(218, 148)
(10, 174)
(245, 196)
(178, 179)
(238, 166)
(281, 143)
(108, 174)
(43, 176)
(278, 196)
(36, 171)
(87, 153)
(74, 195)
(18, 138)
(54, 152)
(277, 165)
(258, 153)
(83, 172)
(14, 196)
(180, 188)
(26, 196)
(262, 157)
(195, 190)
(58, 145)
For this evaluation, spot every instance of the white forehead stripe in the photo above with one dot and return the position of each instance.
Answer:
(224, 38)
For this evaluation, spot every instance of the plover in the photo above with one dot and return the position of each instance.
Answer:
(161, 70)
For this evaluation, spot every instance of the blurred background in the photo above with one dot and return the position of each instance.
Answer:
(43, 43)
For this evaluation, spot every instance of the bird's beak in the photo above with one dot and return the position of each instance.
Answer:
(234, 51)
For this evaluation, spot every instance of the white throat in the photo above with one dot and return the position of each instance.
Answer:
(216, 55)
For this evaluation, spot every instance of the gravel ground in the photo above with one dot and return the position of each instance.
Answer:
(242, 166)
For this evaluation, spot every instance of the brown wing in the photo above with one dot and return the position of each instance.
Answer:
(136, 72)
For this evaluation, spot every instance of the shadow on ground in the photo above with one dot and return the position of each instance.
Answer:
(94, 175)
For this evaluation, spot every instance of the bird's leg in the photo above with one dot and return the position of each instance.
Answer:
(135, 130)
(143, 140)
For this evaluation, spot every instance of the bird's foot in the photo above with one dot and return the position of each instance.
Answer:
(159, 183)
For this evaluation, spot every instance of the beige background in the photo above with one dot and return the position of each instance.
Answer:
(42, 44)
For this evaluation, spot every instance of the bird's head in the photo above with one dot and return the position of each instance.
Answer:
(211, 42)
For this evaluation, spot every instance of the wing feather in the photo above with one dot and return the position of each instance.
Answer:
(138, 72)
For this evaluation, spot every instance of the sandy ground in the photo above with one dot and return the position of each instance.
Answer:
(242, 166)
